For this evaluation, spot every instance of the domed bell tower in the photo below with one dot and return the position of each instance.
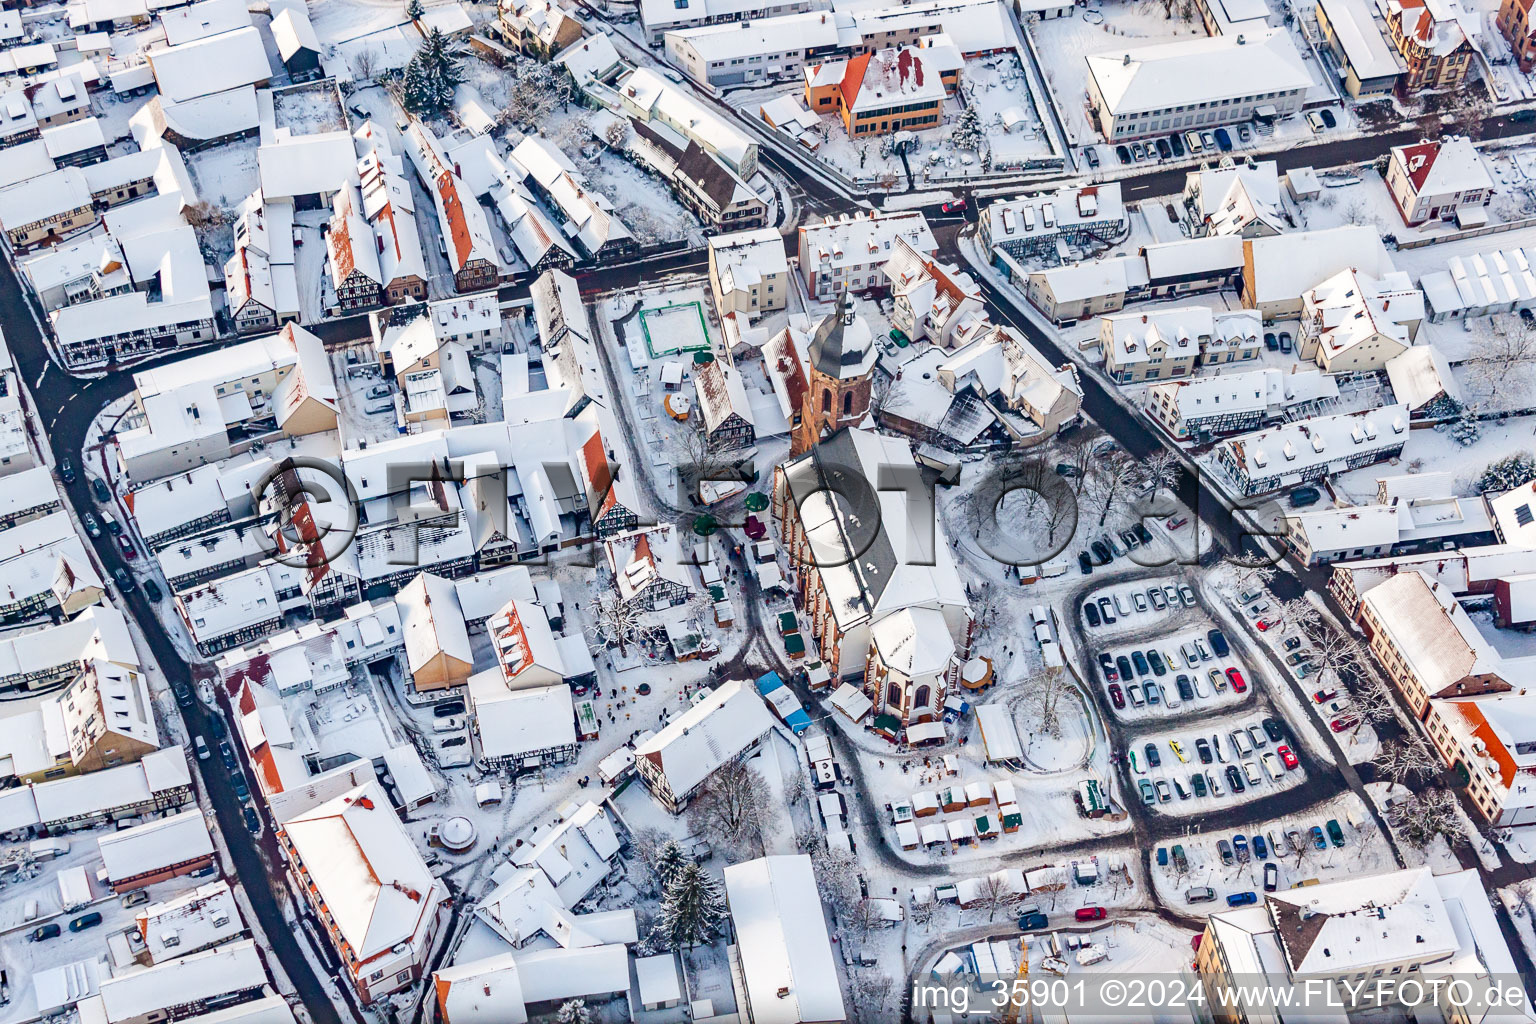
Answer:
(842, 363)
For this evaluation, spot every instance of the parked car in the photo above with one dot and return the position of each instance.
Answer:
(1124, 665)
(1239, 684)
(227, 753)
(1218, 643)
(1243, 133)
(1271, 877)
(92, 527)
(1140, 661)
(1287, 757)
(1251, 771)
(1315, 122)
(1290, 643)
(1218, 680)
(1301, 497)
(126, 546)
(1341, 724)
(1091, 613)
(1123, 154)
(1148, 794)
(202, 748)
(1153, 691)
(1285, 341)
(1164, 150)
(1208, 139)
(125, 582)
(1197, 782)
(1107, 611)
(1272, 728)
(1117, 696)
(1154, 759)
(1139, 601)
(1186, 595)
(1156, 661)
(1091, 913)
(1142, 533)
(85, 921)
(100, 491)
(1224, 849)
(1315, 833)
(1328, 118)
(1257, 737)
(184, 695)
(1107, 666)
(1325, 695)
(66, 471)
(44, 931)
(1129, 539)
(252, 820)
(1260, 849)
(1272, 767)
(1203, 750)
(1030, 922)
(1092, 156)
(1134, 695)
(1240, 847)
(136, 898)
(1155, 595)
(1084, 564)
(1186, 691)
(953, 206)
(1241, 899)
(1178, 751)
(1223, 140)
(1177, 523)
(1335, 833)
(1100, 552)
(152, 591)
(1270, 342)
(1235, 779)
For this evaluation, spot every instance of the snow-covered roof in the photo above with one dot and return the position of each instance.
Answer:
(1435, 25)
(72, 137)
(515, 723)
(575, 855)
(433, 621)
(1191, 72)
(914, 642)
(811, 30)
(485, 593)
(1432, 633)
(204, 917)
(1365, 47)
(44, 196)
(975, 26)
(24, 162)
(1351, 308)
(228, 605)
(695, 744)
(1069, 207)
(29, 489)
(292, 31)
(354, 849)
(657, 978)
(1194, 257)
(1284, 267)
(1340, 927)
(1443, 168)
(1229, 393)
(747, 258)
(1091, 278)
(201, 20)
(851, 240)
(156, 844)
(1339, 529)
(781, 939)
(1502, 277)
(228, 969)
(673, 105)
(211, 64)
(306, 165)
(1322, 440)
(1421, 374)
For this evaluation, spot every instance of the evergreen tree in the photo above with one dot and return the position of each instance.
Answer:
(432, 74)
(413, 10)
(967, 133)
(692, 909)
(573, 1011)
(1508, 472)
(670, 862)
(419, 93)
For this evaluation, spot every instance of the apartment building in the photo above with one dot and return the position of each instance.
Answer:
(749, 272)
(1309, 450)
(850, 251)
(1428, 36)
(1203, 408)
(1353, 322)
(1445, 180)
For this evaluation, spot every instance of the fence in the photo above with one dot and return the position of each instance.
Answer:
(1456, 236)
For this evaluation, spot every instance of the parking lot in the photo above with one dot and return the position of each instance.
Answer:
(1230, 760)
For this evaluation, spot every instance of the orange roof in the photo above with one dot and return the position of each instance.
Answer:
(453, 208)
(1491, 743)
(853, 78)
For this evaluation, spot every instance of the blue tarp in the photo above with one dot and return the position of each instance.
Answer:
(768, 682)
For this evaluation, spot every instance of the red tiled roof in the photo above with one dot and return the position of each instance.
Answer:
(458, 227)
(853, 78)
(1427, 150)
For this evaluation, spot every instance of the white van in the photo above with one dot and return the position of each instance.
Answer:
(1240, 743)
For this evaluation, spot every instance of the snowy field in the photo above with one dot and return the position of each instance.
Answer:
(225, 175)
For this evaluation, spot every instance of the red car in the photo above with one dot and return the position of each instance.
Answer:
(953, 206)
(1091, 913)
(1325, 695)
(1176, 523)
(1263, 625)
(1340, 724)
(1287, 757)
(1117, 695)
(1239, 684)
(126, 546)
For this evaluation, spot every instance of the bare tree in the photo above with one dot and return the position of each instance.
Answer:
(730, 807)
(1500, 363)
(698, 458)
(365, 64)
(1259, 575)
(1077, 451)
(1522, 891)
(866, 917)
(615, 622)
(1422, 817)
(1042, 700)
(1110, 485)
(1160, 471)
(1051, 889)
(647, 841)
(871, 990)
(992, 894)
(1296, 613)
(1470, 108)
(837, 880)
(808, 839)
(1406, 760)
(923, 908)
(1372, 701)
(1336, 651)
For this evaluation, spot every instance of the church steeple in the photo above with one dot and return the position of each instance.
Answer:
(842, 361)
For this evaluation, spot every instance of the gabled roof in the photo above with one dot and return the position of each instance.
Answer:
(695, 744)
(433, 622)
(1442, 168)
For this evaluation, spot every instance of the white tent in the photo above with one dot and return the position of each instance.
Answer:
(925, 732)
(851, 701)
(998, 734)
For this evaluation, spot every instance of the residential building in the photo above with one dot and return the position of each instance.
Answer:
(1155, 345)
(880, 93)
(160, 782)
(932, 301)
(1489, 745)
(1426, 643)
(1353, 322)
(220, 978)
(189, 923)
(1430, 39)
(782, 954)
(588, 215)
(436, 638)
(352, 255)
(748, 272)
(1356, 36)
(1399, 524)
(701, 180)
(1306, 451)
(644, 94)
(846, 590)
(1079, 291)
(1421, 379)
(1279, 270)
(390, 209)
(978, 28)
(107, 716)
(48, 206)
(515, 987)
(298, 47)
(465, 230)
(1235, 199)
(1409, 923)
(1211, 263)
(1514, 20)
(760, 50)
(29, 494)
(259, 279)
(726, 726)
(1201, 409)
(1199, 83)
(350, 859)
(659, 17)
(648, 567)
(849, 251)
(725, 413)
(1088, 218)
(46, 658)
(157, 851)
(1445, 180)
(538, 28)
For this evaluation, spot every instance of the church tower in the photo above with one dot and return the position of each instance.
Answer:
(842, 357)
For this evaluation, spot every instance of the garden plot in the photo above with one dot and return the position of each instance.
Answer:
(1365, 852)
(1225, 754)
(225, 175)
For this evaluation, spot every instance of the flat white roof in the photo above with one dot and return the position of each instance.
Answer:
(781, 937)
(1181, 74)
